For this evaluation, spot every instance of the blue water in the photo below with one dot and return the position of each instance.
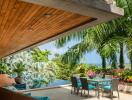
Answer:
(55, 83)
(59, 82)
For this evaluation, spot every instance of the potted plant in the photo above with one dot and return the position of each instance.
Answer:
(19, 69)
(3, 69)
(5, 80)
(91, 74)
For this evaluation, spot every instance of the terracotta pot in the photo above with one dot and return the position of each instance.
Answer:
(5, 80)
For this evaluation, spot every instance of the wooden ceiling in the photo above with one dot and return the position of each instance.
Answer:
(23, 24)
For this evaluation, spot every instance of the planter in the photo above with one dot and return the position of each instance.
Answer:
(5, 80)
(125, 87)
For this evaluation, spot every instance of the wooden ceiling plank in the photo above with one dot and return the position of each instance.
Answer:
(60, 17)
(27, 25)
(51, 20)
(30, 16)
(3, 14)
(51, 11)
(14, 22)
(12, 26)
(17, 32)
(18, 21)
(5, 20)
(57, 27)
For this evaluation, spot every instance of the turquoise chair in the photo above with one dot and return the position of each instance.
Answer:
(108, 82)
(86, 86)
(112, 87)
(76, 85)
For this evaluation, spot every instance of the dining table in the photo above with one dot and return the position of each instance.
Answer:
(99, 83)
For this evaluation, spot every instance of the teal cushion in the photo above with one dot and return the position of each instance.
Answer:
(91, 87)
(40, 98)
(78, 81)
(37, 97)
(92, 83)
(79, 85)
(27, 94)
(107, 87)
(106, 83)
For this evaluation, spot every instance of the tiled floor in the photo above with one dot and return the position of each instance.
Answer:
(64, 94)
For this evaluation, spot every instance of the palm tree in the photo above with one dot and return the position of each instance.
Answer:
(129, 49)
(106, 38)
(92, 40)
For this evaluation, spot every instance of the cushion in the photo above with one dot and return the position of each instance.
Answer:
(92, 83)
(78, 80)
(40, 98)
(107, 87)
(20, 86)
(27, 94)
(79, 85)
(91, 87)
(37, 97)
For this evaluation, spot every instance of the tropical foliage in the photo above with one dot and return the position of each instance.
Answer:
(107, 39)
(64, 71)
(33, 66)
(3, 67)
(19, 68)
(124, 75)
(39, 55)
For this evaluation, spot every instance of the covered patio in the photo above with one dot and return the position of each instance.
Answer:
(28, 23)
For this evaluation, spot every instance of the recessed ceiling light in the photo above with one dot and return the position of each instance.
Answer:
(30, 29)
(47, 15)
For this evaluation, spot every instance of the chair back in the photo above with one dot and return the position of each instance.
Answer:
(77, 76)
(115, 83)
(84, 83)
(74, 81)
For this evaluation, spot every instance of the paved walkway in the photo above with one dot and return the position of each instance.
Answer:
(64, 94)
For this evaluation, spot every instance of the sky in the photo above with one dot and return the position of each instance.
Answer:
(90, 58)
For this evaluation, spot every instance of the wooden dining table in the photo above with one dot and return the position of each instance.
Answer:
(99, 82)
